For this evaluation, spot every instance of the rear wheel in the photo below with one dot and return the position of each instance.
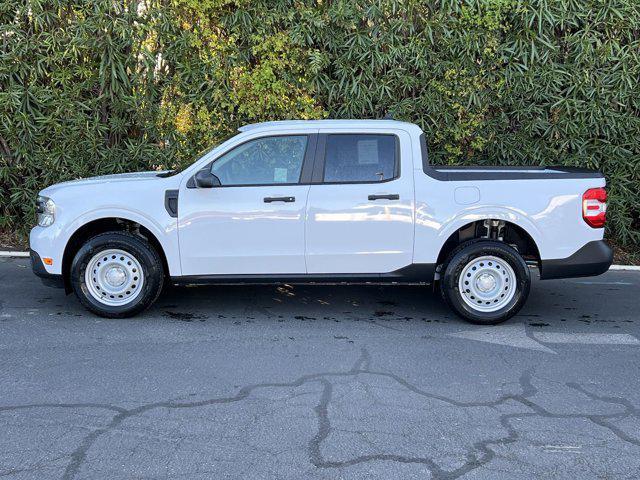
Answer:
(117, 274)
(485, 282)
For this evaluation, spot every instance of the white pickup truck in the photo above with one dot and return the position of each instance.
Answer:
(329, 201)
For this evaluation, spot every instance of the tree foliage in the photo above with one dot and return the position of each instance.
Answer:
(119, 85)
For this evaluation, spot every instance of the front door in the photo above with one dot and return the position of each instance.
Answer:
(360, 207)
(253, 223)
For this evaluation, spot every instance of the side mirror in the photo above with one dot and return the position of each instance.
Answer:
(205, 179)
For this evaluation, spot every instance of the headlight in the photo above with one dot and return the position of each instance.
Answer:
(46, 210)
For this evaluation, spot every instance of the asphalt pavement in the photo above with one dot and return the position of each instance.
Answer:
(320, 382)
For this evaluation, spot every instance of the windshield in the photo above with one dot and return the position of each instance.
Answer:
(199, 155)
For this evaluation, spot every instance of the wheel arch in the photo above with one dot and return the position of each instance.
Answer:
(524, 238)
(92, 227)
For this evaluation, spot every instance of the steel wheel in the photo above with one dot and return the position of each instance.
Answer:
(487, 283)
(114, 277)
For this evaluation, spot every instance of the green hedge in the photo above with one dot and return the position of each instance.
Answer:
(112, 86)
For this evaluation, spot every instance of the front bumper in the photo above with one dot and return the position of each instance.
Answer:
(49, 279)
(592, 259)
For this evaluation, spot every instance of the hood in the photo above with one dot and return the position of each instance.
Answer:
(102, 179)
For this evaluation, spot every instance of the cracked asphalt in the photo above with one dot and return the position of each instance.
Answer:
(320, 382)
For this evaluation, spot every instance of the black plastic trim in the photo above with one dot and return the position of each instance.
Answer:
(441, 173)
(391, 196)
(279, 199)
(49, 279)
(592, 259)
(318, 164)
(171, 202)
(309, 159)
(191, 183)
(416, 273)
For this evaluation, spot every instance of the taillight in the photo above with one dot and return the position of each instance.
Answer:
(594, 207)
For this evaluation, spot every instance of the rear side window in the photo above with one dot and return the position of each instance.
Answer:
(360, 158)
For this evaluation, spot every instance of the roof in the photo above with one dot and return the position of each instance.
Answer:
(328, 124)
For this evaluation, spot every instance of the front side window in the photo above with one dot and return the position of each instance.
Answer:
(360, 158)
(263, 161)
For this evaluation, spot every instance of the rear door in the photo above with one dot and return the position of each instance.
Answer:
(253, 223)
(360, 208)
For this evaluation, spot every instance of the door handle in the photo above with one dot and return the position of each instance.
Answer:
(390, 196)
(279, 199)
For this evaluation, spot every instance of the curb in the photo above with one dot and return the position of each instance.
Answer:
(625, 267)
(4, 253)
(26, 254)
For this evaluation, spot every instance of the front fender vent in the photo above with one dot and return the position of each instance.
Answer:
(171, 202)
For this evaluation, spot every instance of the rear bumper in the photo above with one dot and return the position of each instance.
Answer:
(592, 259)
(49, 279)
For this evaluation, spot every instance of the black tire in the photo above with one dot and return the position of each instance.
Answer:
(466, 253)
(150, 263)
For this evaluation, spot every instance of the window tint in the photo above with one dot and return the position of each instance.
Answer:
(360, 158)
(263, 161)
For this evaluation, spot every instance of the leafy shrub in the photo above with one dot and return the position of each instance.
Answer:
(100, 87)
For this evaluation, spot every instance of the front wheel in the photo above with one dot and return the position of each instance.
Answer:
(485, 282)
(117, 274)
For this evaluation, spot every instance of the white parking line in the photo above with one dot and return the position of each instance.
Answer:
(509, 335)
(516, 336)
(587, 338)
